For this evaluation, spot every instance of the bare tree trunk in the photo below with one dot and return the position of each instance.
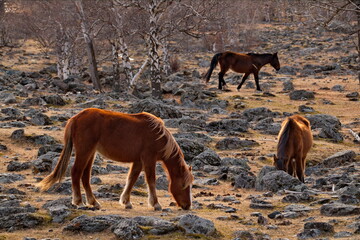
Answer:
(125, 60)
(154, 44)
(138, 74)
(166, 59)
(358, 33)
(2, 8)
(89, 47)
(115, 64)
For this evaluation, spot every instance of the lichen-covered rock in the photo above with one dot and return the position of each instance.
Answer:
(88, 224)
(339, 159)
(278, 180)
(193, 224)
(157, 108)
(127, 229)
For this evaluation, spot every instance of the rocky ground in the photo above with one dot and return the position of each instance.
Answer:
(229, 138)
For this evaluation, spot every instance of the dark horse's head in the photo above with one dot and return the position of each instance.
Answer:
(279, 163)
(274, 62)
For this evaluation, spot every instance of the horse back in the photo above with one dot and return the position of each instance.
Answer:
(302, 135)
(118, 136)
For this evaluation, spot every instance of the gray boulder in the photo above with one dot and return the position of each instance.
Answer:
(10, 177)
(230, 125)
(301, 95)
(59, 213)
(193, 224)
(244, 179)
(56, 100)
(190, 148)
(15, 166)
(235, 143)
(338, 209)
(328, 124)
(278, 180)
(17, 134)
(208, 157)
(157, 108)
(88, 224)
(316, 229)
(339, 159)
(45, 162)
(257, 114)
(127, 229)
(20, 221)
(95, 103)
(157, 226)
(162, 183)
(12, 113)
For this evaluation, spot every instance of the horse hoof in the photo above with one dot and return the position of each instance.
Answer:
(157, 207)
(96, 205)
(128, 206)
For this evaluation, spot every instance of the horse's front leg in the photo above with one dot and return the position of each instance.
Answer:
(299, 168)
(256, 76)
(246, 75)
(131, 179)
(150, 178)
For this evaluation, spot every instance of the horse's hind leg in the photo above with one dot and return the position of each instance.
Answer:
(150, 178)
(131, 179)
(246, 75)
(90, 198)
(221, 80)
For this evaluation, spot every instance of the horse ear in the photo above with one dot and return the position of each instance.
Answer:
(275, 54)
(190, 168)
(275, 158)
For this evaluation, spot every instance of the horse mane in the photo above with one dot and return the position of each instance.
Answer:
(284, 135)
(171, 147)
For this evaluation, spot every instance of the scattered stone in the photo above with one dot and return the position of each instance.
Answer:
(338, 209)
(306, 109)
(158, 226)
(208, 157)
(288, 86)
(257, 114)
(193, 224)
(316, 229)
(339, 159)
(20, 221)
(230, 125)
(231, 143)
(244, 180)
(89, 224)
(56, 100)
(15, 166)
(59, 213)
(278, 180)
(302, 95)
(162, 183)
(10, 177)
(17, 134)
(157, 108)
(353, 95)
(190, 148)
(338, 88)
(127, 229)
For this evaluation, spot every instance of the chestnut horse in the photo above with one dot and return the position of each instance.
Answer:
(295, 141)
(140, 139)
(241, 63)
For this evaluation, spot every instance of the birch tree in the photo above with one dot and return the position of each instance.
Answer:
(89, 41)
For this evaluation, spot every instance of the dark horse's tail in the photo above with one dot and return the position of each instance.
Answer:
(59, 171)
(213, 64)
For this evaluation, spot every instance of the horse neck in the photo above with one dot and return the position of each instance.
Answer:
(263, 59)
(175, 165)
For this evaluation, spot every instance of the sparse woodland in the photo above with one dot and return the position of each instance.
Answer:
(60, 57)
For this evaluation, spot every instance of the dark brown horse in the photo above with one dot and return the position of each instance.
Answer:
(241, 63)
(295, 141)
(140, 139)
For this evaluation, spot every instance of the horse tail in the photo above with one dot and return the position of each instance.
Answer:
(283, 137)
(60, 169)
(214, 62)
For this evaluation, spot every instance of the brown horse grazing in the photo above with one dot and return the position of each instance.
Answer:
(141, 139)
(241, 63)
(295, 141)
